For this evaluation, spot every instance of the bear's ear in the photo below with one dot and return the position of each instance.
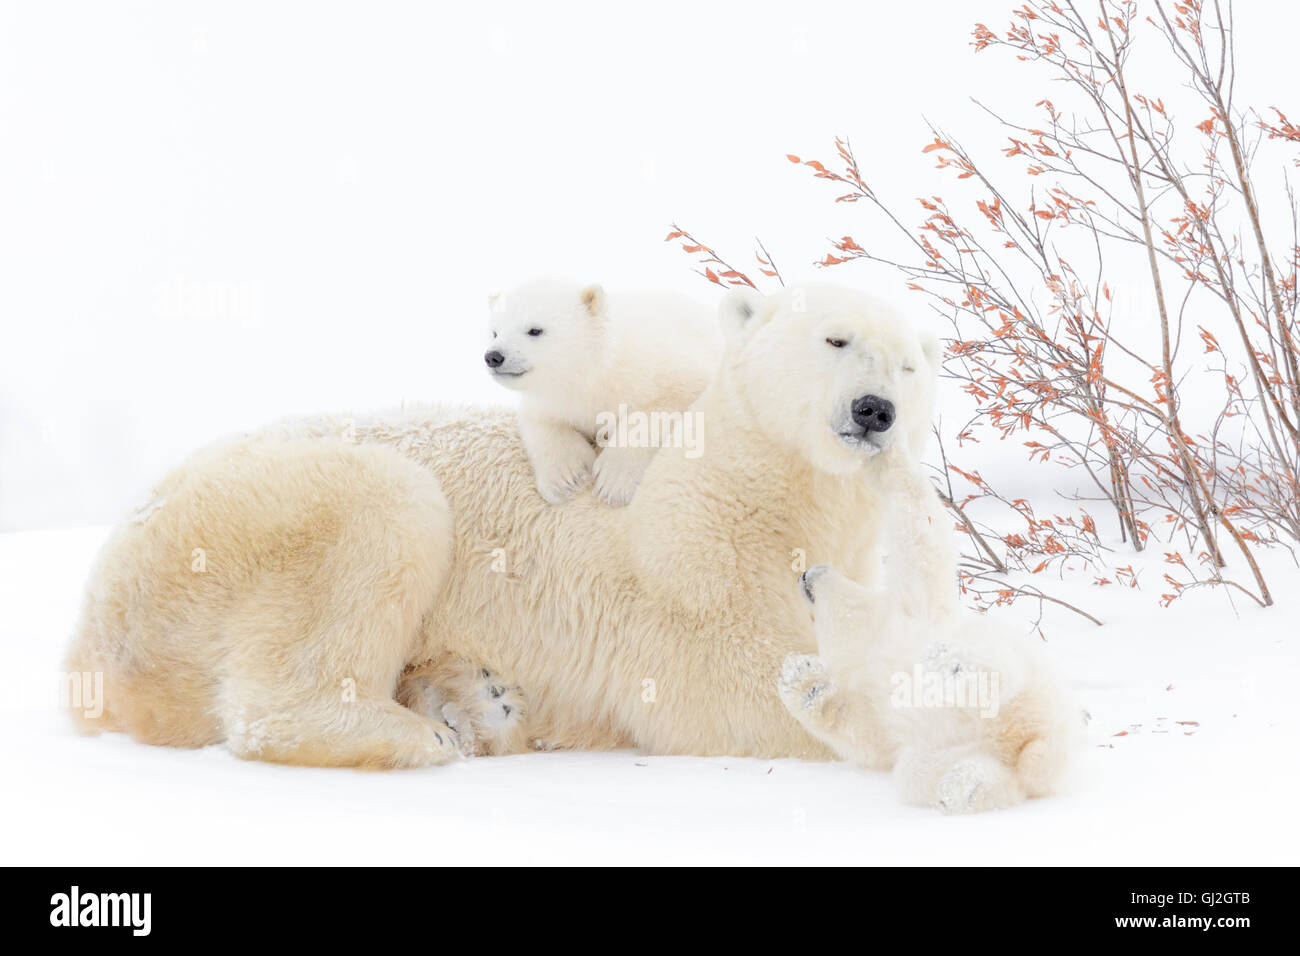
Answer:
(593, 300)
(932, 349)
(494, 300)
(741, 311)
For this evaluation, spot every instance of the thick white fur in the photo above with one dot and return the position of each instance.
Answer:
(340, 553)
(647, 352)
(874, 692)
(269, 596)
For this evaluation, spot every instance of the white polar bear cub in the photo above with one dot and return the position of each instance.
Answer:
(969, 716)
(619, 370)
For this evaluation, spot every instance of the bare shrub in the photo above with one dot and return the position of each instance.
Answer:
(1022, 268)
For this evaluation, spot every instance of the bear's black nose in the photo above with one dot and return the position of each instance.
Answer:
(873, 413)
(494, 359)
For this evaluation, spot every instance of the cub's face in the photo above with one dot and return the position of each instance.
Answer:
(544, 334)
(832, 373)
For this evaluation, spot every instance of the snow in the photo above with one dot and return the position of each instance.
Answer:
(169, 283)
(1191, 758)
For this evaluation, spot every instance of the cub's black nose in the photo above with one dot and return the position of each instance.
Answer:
(873, 413)
(494, 359)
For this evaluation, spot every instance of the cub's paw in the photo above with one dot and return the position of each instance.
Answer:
(480, 713)
(562, 473)
(618, 471)
(804, 683)
(976, 784)
(487, 715)
(419, 693)
(950, 660)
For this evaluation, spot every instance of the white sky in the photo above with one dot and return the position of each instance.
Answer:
(353, 179)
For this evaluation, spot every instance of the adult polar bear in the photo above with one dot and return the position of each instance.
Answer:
(334, 554)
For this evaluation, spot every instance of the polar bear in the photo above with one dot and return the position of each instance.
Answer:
(348, 552)
(585, 363)
(485, 715)
(969, 717)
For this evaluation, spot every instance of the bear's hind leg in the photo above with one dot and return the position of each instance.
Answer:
(366, 734)
(956, 779)
(314, 677)
(324, 627)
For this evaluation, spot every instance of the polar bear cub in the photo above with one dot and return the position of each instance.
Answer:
(969, 716)
(617, 370)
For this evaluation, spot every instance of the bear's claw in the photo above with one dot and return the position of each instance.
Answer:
(804, 681)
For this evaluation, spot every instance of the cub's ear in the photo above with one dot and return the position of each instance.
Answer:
(741, 311)
(932, 349)
(593, 300)
(494, 300)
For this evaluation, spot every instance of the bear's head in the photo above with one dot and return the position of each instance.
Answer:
(545, 333)
(831, 373)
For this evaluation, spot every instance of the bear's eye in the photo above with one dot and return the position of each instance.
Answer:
(836, 343)
(534, 332)
(909, 368)
(494, 335)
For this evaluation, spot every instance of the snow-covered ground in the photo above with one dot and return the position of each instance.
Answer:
(1191, 758)
(214, 219)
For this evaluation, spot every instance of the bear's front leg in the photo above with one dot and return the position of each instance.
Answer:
(956, 779)
(849, 620)
(837, 695)
(561, 457)
(842, 716)
(922, 570)
(618, 471)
